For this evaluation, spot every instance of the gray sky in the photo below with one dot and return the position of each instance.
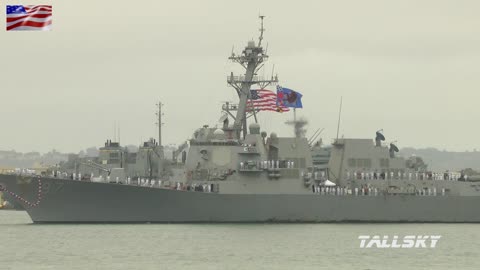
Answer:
(409, 67)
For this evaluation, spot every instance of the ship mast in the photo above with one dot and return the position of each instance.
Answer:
(159, 122)
(158, 148)
(251, 58)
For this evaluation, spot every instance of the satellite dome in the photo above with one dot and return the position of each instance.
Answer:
(219, 134)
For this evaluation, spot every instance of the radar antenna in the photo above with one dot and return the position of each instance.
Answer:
(393, 149)
(379, 138)
(252, 59)
(262, 29)
(159, 122)
(339, 116)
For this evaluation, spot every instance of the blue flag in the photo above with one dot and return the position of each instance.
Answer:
(288, 98)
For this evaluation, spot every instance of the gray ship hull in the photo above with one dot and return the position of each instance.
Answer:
(67, 201)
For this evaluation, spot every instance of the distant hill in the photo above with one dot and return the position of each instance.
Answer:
(438, 160)
(13, 159)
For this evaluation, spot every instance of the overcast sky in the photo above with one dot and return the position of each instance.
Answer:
(409, 67)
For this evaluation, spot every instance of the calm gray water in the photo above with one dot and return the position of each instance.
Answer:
(227, 246)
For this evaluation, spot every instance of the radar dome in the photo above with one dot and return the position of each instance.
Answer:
(219, 134)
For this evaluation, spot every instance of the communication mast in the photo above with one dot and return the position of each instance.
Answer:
(159, 122)
(252, 59)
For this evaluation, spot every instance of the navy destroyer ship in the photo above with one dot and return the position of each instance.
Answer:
(239, 173)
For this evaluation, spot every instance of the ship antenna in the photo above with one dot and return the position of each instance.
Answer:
(159, 123)
(339, 115)
(262, 29)
(251, 58)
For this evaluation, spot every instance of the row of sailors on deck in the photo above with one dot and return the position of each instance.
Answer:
(80, 176)
(24, 171)
(72, 176)
(59, 174)
(146, 182)
(176, 185)
(366, 191)
(410, 176)
(142, 182)
(195, 187)
(266, 164)
(339, 191)
(85, 177)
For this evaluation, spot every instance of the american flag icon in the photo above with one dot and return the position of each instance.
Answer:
(31, 17)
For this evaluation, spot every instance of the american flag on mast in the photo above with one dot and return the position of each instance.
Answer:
(37, 18)
(264, 100)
